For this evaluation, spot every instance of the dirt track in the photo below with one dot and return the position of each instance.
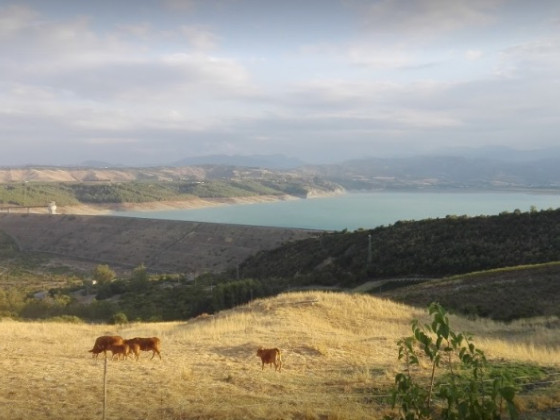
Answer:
(161, 245)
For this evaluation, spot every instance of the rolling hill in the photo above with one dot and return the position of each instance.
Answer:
(339, 351)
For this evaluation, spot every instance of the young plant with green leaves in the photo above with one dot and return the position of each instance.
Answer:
(461, 390)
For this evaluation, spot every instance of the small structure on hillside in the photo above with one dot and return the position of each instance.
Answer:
(52, 207)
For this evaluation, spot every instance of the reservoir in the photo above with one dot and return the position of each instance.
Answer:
(366, 210)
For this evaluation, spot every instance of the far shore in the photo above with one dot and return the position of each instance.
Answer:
(194, 203)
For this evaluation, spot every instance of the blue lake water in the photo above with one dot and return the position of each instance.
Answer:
(360, 210)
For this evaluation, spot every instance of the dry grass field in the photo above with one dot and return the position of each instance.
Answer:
(339, 354)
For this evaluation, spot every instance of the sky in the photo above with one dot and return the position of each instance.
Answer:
(150, 82)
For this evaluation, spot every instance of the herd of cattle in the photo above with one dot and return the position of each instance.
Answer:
(121, 348)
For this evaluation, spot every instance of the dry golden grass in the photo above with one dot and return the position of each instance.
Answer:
(339, 352)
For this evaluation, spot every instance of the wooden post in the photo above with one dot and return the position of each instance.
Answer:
(105, 387)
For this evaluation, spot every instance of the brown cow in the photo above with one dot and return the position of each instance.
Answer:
(103, 343)
(270, 356)
(119, 350)
(134, 347)
(152, 344)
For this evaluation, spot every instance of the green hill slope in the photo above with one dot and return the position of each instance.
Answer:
(504, 294)
(428, 248)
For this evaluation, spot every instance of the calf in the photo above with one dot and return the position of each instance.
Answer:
(103, 343)
(270, 356)
(119, 350)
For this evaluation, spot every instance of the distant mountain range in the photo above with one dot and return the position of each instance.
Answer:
(442, 172)
(484, 168)
(503, 153)
(276, 161)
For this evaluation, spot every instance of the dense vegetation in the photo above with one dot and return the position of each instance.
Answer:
(36, 194)
(428, 249)
(140, 297)
(40, 193)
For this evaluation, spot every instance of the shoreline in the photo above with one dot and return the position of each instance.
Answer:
(194, 203)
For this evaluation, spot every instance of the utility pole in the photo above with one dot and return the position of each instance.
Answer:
(369, 251)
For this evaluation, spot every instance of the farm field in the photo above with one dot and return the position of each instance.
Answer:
(339, 353)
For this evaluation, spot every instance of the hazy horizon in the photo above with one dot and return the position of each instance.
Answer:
(151, 82)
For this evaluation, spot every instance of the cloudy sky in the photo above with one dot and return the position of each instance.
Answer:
(154, 81)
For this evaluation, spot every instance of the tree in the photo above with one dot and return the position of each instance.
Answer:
(139, 280)
(102, 274)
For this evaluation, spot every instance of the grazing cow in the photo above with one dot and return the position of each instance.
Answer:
(134, 347)
(270, 356)
(103, 343)
(119, 350)
(152, 344)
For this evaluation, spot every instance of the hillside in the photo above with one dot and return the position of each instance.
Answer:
(428, 248)
(160, 245)
(233, 264)
(339, 352)
(94, 190)
(503, 294)
(62, 174)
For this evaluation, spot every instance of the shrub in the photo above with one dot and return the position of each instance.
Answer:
(463, 392)
(119, 318)
(103, 274)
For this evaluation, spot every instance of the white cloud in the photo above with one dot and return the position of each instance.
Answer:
(427, 18)
(68, 59)
(380, 57)
(473, 55)
(182, 5)
(541, 56)
(101, 141)
(14, 19)
(167, 79)
(140, 31)
(199, 37)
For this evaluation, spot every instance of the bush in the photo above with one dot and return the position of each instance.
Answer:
(103, 274)
(119, 318)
